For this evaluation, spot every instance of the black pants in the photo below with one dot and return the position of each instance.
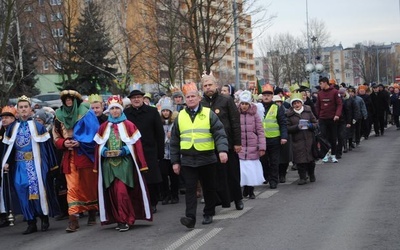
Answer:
(270, 163)
(396, 120)
(206, 174)
(170, 180)
(366, 127)
(357, 131)
(341, 138)
(328, 129)
(228, 180)
(379, 123)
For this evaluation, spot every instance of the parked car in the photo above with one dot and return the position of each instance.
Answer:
(53, 99)
(36, 103)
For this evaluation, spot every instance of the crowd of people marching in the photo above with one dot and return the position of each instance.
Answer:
(116, 161)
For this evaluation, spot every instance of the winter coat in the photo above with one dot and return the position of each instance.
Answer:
(148, 121)
(363, 109)
(253, 139)
(379, 103)
(395, 103)
(302, 140)
(226, 110)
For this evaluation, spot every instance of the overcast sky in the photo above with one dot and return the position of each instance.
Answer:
(348, 21)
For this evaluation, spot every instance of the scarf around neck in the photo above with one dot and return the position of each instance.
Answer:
(68, 115)
(299, 111)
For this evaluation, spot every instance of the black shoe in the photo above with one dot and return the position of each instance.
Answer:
(4, 223)
(245, 191)
(123, 227)
(282, 179)
(165, 201)
(265, 182)
(32, 228)
(302, 182)
(273, 185)
(239, 205)
(352, 145)
(338, 157)
(153, 209)
(366, 137)
(252, 196)
(312, 178)
(175, 200)
(207, 219)
(45, 223)
(294, 167)
(188, 222)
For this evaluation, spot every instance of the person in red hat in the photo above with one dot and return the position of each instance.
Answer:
(120, 161)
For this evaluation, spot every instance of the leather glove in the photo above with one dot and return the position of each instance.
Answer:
(124, 151)
(104, 152)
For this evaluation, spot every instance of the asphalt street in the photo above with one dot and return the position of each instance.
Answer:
(354, 204)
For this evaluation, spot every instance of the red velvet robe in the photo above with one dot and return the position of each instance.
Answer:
(130, 135)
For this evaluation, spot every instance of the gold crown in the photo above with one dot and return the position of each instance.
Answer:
(24, 98)
(114, 99)
(95, 98)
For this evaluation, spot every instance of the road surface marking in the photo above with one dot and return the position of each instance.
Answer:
(183, 239)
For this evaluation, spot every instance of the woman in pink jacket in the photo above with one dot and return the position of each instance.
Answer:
(253, 145)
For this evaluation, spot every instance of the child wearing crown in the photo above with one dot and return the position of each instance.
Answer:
(119, 160)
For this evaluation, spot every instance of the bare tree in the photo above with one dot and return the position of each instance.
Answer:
(286, 58)
(208, 24)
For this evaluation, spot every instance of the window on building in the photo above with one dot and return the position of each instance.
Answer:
(56, 16)
(326, 58)
(257, 72)
(55, 2)
(28, 8)
(58, 48)
(336, 60)
(29, 25)
(257, 63)
(42, 18)
(337, 71)
(58, 32)
(41, 2)
(46, 65)
(348, 75)
(43, 34)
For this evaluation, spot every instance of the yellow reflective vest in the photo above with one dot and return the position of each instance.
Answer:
(270, 122)
(196, 133)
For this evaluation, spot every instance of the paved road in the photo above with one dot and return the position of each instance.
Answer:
(353, 205)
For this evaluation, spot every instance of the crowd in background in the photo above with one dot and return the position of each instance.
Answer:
(214, 146)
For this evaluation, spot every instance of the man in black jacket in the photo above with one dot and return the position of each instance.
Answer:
(148, 121)
(228, 174)
(195, 137)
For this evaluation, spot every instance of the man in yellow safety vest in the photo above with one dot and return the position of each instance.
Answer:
(196, 135)
(274, 123)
